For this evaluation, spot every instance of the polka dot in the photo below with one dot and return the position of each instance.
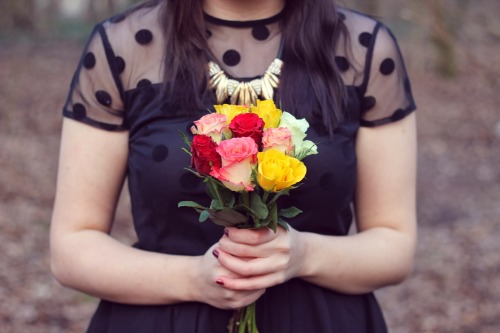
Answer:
(208, 33)
(387, 66)
(365, 39)
(189, 181)
(118, 18)
(144, 83)
(342, 63)
(144, 37)
(327, 181)
(89, 60)
(119, 64)
(260, 32)
(147, 94)
(231, 58)
(368, 103)
(79, 111)
(104, 98)
(398, 114)
(160, 153)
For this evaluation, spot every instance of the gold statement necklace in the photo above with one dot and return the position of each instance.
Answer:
(244, 92)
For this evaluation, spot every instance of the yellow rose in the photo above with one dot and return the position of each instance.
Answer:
(230, 111)
(268, 112)
(277, 171)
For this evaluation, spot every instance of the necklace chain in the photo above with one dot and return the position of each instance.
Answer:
(243, 92)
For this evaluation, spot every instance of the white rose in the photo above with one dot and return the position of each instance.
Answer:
(298, 128)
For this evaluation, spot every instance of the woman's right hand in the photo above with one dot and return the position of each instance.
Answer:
(207, 289)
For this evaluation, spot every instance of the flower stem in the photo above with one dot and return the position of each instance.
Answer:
(246, 198)
(246, 323)
(265, 196)
(216, 189)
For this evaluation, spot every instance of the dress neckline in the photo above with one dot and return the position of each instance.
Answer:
(243, 24)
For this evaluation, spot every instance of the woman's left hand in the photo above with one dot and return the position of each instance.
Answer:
(263, 258)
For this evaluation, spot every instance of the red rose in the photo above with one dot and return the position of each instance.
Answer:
(248, 125)
(204, 156)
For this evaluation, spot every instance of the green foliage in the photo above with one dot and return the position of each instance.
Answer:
(248, 210)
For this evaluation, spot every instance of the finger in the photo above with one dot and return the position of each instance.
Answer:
(250, 267)
(261, 282)
(250, 236)
(219, 268)
(268, 243)
(236, 299)
(233, 299)
(243, 250)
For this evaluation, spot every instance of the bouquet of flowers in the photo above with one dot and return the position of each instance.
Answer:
(248, 158)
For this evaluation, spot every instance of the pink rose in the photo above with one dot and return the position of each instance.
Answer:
(212, 124)
(278, 138)
(239, 157)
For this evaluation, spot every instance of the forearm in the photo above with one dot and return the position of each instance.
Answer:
(93, 262)
(357, 263)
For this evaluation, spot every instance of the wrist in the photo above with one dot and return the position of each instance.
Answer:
(192, 279)
(182, 271)
(305, 257)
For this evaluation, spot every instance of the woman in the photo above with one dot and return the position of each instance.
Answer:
(144, 76)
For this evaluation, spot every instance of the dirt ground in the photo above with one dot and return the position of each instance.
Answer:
(455, 286)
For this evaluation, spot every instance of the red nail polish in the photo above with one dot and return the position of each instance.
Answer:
(219, 282)
(215, 253)
(226, 232)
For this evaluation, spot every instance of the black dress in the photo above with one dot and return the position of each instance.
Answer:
(117, 88)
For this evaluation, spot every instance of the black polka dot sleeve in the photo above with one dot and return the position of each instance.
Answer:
(386, 89)
(95, 96)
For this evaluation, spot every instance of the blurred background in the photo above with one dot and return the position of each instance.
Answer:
(451, 48)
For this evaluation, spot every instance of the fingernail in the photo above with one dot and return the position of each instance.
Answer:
(226, 232)
(219, 282)
(215, 253)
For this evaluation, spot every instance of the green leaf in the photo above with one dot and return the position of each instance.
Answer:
(272, 219)
(283, 224)
(191, 204)
(289, 212)
(216, 204)
(226, 134)
(280, 193)
(258, 206)
(227, 196)
(210, 190)
(195, 173)
(249, 211)
(228, 217)
(204, 215)
(185, 139)
(217, 191)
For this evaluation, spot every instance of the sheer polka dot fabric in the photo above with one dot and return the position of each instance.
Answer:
(373, 64)
(124, 55)
(242, 49)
